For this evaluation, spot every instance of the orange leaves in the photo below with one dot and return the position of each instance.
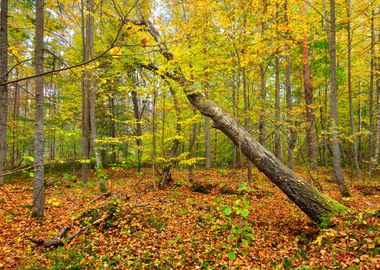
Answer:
(179, 228)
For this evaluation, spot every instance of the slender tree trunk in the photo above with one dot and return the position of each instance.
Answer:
(14, 129)
(3, 88)
(277, 116)
(138, 133)
(292, 136)
(334, 105)
(292, 133)
(191, 144)
(174, 151)
(39, 147)
(85, 103)
(234, 108)
(154, 137)
(371, 87)
(354, 146)
(308, 89)
(247, 118)
(113, 158)
(262, 122)
(360, 123)
(90, 78)
(207, 142)
(377, 146)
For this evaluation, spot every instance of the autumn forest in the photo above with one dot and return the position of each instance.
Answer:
(189, 134)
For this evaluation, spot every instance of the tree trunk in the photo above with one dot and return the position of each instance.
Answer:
(138, 132)
(154, 137)
(262, 122)
(38, 186)
(354, 145)
(277, 115)
(113, 158)
(85, 104)
(174, 151)
(371, 87)
(207, 142)
(3, 88)
(191, 144)
(308, 89)
(303, 194)
(377, 146)
(247, 118)
(90, 34)
(311, 201)
(292, 133)
(334, 105)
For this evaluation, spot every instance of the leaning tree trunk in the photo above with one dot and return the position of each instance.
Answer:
(311, 201)
(303, 194)
(38, 186)
(3, 88)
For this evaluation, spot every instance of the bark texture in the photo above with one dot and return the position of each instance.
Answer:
(334, 106)
(39, 147)
(3, 88)
(303, 194)
(277, 115)
(85, 104)
(311, 201)
(354, 145)
(308, 89)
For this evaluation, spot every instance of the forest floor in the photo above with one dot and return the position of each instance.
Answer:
(213, 223)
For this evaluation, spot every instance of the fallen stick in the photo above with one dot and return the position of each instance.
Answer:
(104, 195)
(56, 242)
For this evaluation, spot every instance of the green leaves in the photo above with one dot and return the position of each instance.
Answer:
(227, 211)
(231, 255)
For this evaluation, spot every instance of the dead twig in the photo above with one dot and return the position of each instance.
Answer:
(54, 242)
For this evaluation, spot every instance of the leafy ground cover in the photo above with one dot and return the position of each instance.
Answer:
(216, 222)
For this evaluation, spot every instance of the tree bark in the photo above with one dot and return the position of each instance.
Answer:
(311, 201)
(308, 89)
(85, 103)
(3, 88)
(371, 87)
(377, 146)
(354, 145)
(174, 150)
(303, 194)
(192, 140)
(247, 118)
(262, 122)
(138, 132)
(39, 147)
(207, 142)
(292, 133)
(277, 115)
(90, 35)
(334, 105)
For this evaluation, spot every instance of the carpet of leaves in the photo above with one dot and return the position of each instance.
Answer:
(208, 224)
